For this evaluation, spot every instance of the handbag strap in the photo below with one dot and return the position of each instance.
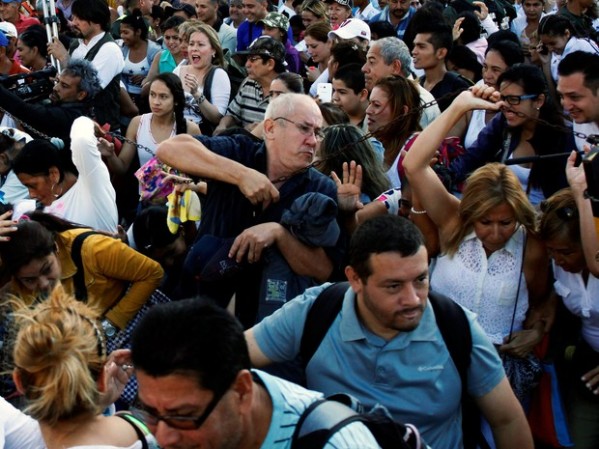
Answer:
(520, 275)
(79, 278)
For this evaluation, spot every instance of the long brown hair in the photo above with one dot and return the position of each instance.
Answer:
(402, 94)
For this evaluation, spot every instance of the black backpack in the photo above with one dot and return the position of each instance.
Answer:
(453, 325)
(325, 417)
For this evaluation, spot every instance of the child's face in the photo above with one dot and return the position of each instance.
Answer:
(347, 99)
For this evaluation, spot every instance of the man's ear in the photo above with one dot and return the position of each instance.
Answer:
(441, 53)
(354, 279)
(397, 68)
(81, 95)
(269, 127)
(363, 95)
(243, 386)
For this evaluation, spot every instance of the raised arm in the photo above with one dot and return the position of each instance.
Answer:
(192, 157)
(439, 204)
(588, 230)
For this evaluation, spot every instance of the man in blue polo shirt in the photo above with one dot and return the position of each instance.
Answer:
(398, 13)
(385, 345)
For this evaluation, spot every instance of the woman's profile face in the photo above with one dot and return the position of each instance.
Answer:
(27, 54)
(379, 111)
(41, 187)
(40, 275)
(496, 227)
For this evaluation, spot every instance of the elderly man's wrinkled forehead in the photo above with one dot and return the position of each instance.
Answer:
(291, 103)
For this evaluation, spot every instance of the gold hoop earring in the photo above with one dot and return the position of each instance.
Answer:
(56, 195)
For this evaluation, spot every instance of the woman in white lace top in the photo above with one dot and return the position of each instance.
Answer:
(491, 261)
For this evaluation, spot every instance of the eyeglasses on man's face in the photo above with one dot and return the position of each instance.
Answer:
(515, 100)
(304, 129)
(178, 422)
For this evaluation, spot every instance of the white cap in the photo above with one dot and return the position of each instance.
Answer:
(8, 29)
(352, 28)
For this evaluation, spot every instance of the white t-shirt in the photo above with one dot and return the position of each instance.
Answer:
(17, 430)
(220, 91)
(91, 201)
(109, 61)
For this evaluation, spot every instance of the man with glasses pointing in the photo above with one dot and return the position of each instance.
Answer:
(251, 184)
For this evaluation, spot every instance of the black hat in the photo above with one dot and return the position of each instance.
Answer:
(266, 46)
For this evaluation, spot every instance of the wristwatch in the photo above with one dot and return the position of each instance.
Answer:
(201, 99)
(109, 329)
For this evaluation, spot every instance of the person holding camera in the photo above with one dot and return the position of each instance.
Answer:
(74, 88)
(567, 228)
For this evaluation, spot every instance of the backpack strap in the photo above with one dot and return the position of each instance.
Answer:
(79, 278)
(455, 330)
(320, 317)
(208, 83)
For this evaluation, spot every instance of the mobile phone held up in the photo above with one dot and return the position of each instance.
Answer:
(324, 91)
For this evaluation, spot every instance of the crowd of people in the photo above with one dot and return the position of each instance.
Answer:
(215, 213)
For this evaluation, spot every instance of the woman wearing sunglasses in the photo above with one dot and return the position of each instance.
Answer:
(529, 125)
(568, 229)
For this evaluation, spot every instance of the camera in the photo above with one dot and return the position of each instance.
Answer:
(31, 87)
(590, 163)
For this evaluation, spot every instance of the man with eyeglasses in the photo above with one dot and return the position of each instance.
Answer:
(196, 388)
(265, 60)
(251, 184)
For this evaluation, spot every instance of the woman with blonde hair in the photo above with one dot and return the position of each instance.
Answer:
(491, 260)
(59, 355)
(206, 83)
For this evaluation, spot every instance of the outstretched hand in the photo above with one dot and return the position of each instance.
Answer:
(349, 188)
(117, 371)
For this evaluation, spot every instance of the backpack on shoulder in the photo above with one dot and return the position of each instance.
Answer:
(323, 418)
(454, 328)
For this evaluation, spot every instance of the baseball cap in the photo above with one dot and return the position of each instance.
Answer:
(347, 3)
(266, 46)
(3, 40)
(178, 5)
(276, 20)
(351, 28)
(9, 29)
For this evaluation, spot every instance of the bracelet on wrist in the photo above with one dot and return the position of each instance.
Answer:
(417, 212)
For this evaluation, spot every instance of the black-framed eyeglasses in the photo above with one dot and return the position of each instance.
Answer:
(304, 129)
(178, 422)
(515, 100)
